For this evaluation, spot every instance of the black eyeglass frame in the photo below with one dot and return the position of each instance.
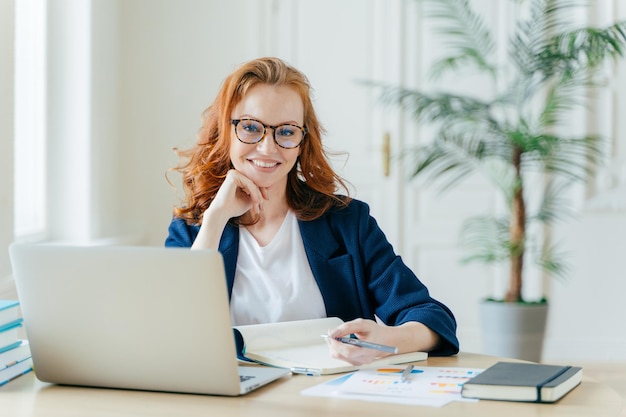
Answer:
(235, 122)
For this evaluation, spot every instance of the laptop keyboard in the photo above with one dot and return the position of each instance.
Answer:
(243, 378)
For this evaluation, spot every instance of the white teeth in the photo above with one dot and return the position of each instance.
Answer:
(264, 164)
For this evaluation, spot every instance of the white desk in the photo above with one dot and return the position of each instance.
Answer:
(29, 397)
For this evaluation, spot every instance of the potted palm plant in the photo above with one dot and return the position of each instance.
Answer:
(511, 135)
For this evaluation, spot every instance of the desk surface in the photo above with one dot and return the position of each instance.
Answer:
(29, 397)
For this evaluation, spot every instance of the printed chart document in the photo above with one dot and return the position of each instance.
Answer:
(426, 386)
(299, 345)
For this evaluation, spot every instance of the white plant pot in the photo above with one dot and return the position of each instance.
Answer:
(513, 330)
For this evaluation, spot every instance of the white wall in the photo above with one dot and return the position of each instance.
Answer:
(172, 58)
(586, 318)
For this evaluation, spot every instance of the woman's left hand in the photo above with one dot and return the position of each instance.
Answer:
(363, 329)
(407, 337)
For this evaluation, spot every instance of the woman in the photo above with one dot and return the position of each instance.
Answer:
(260, 190)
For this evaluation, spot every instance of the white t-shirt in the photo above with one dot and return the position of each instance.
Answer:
(274, 283)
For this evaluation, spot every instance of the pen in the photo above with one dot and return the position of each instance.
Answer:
(361, 343)
(406, 373)
(306, 371)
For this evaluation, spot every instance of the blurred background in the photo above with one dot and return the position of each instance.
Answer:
(95, 94)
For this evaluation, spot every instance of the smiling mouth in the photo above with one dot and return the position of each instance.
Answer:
(263, 164)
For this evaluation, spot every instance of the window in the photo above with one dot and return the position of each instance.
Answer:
(30, 119)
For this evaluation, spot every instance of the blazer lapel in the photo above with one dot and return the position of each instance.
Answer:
(229, 248)
(333, 269)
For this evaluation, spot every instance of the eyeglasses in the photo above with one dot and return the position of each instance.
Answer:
(252, 131)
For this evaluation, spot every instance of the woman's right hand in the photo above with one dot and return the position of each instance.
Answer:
(236, 196)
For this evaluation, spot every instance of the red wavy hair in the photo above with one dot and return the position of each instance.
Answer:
(312, 184)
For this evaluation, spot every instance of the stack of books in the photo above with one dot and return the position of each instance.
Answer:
(15, 357)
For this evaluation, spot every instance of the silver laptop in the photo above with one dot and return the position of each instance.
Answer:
(140, 318)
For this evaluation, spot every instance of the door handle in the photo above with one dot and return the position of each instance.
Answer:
(386, 153)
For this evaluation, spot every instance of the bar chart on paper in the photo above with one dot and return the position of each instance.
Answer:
(422, 382)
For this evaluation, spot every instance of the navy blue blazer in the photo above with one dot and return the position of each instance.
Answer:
(356, 269)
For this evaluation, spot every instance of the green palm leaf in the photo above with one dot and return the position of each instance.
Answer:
(553, 262)
(553, 207)
(486, 239)
(440, 107)
(466, 35)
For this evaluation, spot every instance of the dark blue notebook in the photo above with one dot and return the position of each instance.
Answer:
(531, 382)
